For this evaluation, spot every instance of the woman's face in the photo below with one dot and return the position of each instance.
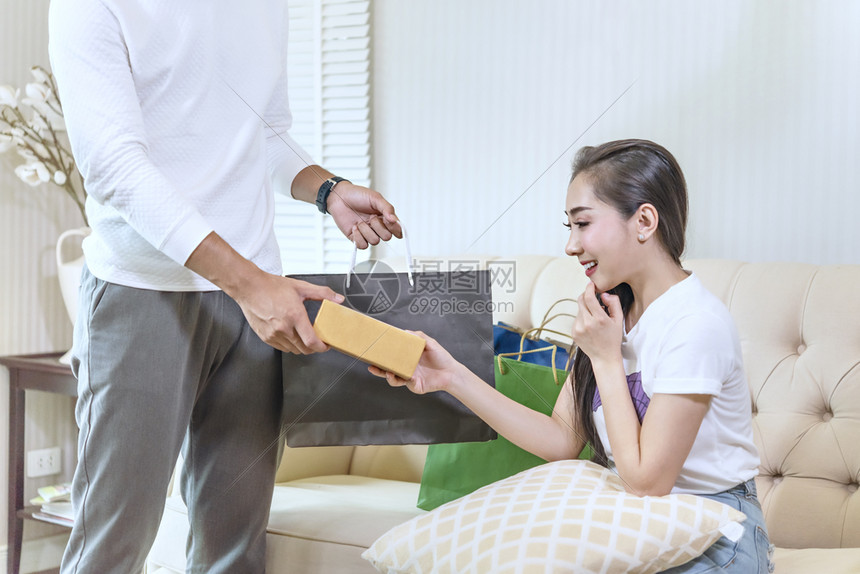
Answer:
(602, 240)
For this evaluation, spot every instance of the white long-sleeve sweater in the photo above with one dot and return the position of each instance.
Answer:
(177, 114)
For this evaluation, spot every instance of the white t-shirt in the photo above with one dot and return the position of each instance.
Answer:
(686, 343)
(177, 114)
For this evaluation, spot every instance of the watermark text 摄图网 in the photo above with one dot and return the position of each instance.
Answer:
(459, 276)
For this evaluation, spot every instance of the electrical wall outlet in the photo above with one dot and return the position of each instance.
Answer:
(44, 462)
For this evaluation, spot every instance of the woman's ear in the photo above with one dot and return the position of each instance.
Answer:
(646, 219)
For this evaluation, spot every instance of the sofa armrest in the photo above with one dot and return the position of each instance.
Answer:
(306, 462)
(391, 462)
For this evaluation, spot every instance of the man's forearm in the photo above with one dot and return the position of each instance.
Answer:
(271, 304)
(215, 260)
(307, 183)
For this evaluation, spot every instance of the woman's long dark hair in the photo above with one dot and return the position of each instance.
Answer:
(626, 174)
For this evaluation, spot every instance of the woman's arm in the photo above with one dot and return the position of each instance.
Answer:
(549, 437)
(648, 456)
(553, 437)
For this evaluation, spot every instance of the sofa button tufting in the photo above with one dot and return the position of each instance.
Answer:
(801, 348)
(852, 488)
(827, 416)
(777, 478)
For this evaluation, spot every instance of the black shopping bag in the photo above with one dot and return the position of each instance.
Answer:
(331, 398)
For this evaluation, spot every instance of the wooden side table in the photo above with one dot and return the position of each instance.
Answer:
(27, 372)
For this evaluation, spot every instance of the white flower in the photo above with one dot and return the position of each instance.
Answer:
(36, 94)
(29, 123)
(18, 136)
(38, 122)
(40, 75)
(39, 108)
(42, 172)
(9, 96)
(28, 174)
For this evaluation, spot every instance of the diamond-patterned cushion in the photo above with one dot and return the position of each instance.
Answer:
(565, 516)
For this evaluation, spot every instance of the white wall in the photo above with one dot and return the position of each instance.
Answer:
(475, 99)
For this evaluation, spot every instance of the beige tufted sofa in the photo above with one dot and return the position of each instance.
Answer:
(800, 331)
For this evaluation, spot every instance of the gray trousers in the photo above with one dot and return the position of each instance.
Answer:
(159, 372)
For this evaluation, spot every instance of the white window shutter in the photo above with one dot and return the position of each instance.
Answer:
(329, 90)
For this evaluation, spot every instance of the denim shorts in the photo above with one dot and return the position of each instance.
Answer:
(751, 554)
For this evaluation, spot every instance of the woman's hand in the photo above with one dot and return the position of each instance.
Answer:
(436, 370)
(596, 333)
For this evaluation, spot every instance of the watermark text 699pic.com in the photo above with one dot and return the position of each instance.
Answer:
(438, 306)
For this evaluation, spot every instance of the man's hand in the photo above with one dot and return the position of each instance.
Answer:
(273, 305)
(274, 308)
(362, 214)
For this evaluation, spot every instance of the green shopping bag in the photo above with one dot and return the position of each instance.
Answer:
(454, 470)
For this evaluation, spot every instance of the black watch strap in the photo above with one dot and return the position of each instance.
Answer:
(325, 190)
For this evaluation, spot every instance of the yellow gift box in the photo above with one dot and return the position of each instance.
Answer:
(368, 340)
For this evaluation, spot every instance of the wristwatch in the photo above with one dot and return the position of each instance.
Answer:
(325, 190)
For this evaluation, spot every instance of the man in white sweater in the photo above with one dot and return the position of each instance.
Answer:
(178, 117)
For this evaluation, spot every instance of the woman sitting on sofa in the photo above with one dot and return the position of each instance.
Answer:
(657, 386)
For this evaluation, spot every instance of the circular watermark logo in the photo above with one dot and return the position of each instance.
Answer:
(374, 291)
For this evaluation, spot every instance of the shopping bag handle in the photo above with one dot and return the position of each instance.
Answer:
(408, 257)
(547, 318)
(554, 346)
(533, 334)
(551, 307)
(521, 353)
(526, 335)
(536, 331)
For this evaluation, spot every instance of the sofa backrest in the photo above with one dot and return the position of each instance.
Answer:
(800, 331)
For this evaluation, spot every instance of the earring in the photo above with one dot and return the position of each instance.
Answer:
(641, 237)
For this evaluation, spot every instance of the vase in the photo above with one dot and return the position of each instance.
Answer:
(69, 275)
